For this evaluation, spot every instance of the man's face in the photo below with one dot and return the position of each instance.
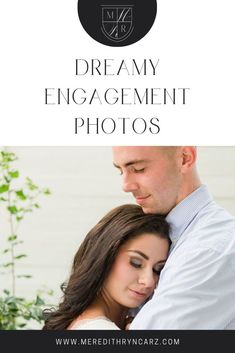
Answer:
(152, 175)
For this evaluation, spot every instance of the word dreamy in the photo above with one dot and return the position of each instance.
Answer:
(110, 67)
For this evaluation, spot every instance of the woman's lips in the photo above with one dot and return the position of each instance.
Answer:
(138, 294)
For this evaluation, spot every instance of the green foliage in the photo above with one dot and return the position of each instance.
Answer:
(15, 312)
(19, 200)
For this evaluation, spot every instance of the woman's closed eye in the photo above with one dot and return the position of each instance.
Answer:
(157, 270)
(137, 263)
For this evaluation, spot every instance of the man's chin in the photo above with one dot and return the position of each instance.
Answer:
(148, 210)
(152, 210)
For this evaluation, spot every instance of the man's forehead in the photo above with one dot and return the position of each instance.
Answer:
(126, 151)
(128, 154)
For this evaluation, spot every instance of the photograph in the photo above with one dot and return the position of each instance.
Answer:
(117, 238)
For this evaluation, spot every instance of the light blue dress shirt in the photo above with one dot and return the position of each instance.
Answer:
(196, 289)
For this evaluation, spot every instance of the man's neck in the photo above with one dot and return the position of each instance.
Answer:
(188, 187)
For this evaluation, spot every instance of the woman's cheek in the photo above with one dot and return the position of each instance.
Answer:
(123, 271)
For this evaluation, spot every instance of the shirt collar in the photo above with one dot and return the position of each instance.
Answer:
(183, 214)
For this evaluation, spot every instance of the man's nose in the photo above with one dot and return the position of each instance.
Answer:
(129, 184)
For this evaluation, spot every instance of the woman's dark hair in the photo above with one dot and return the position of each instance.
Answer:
(96, 256)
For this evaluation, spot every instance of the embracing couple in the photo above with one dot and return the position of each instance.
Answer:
(166, 263)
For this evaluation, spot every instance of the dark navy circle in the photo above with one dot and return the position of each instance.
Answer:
(117, 22)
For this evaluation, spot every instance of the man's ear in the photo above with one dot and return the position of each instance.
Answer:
(189, 157)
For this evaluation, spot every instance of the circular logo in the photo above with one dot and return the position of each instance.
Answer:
(117, 22)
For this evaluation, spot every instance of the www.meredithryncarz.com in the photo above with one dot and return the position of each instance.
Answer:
(140, 341)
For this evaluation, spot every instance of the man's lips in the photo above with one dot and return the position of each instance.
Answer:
(141, 198)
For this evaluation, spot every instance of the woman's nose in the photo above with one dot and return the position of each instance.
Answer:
(147, 279)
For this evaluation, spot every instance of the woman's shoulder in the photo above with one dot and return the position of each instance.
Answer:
(98, 323)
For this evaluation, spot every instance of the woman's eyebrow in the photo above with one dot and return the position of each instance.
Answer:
(140, 253)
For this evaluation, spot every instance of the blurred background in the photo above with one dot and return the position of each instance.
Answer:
(84, 186)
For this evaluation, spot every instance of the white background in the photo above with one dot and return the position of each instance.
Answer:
(40, 41)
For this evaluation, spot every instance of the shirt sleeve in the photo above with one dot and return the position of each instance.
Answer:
(196, 291)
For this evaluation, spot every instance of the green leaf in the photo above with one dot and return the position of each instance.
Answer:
(46, 192)
(21, 256)
(7, 179)
(31, 185)
(24, 276)
(3, 199)
(8, 156)
(8, 264)
(19, 218)
(39, 301)
(20, 194)
(6, 291)
(12, 237)
(4, 188)
(14, 174)
(12, 209)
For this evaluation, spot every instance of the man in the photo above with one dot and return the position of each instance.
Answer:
(196, 289)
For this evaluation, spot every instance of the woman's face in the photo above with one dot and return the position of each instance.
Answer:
(135, 272)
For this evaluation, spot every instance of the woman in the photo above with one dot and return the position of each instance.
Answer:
(116, 268)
